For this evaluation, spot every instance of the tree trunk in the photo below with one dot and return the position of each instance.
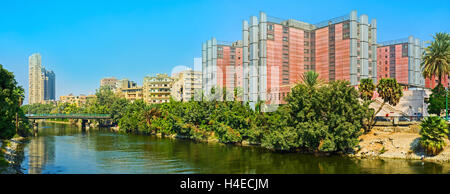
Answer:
(17, 123)
(372, 121)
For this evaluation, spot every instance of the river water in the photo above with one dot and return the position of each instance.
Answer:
(61, 148)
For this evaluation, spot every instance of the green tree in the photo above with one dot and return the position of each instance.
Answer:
(366, 90)
(436, 58)
(324, 119)
(12, 119)
(433, 133)
(133, 120)
(436, 102)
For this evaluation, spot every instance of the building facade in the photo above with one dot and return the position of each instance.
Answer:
(78, 100)
(401, 59)
(132, 94)
(277, 52)
(36, 84)
(157, 89)
(129, 90)
(221, 65)
(49, 84)
(41, 82)
(186, 84)
(110, 82)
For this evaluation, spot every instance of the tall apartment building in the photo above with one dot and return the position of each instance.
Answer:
(187, 84)
(276, 52)
(49, 84)
(221, 65)
(41, 81)
(110, 82)
(156, 89)
(36, 85)
(401, 59)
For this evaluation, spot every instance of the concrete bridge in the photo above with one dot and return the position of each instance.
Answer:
(84, 117)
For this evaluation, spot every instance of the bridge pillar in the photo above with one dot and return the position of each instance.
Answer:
(35, 125)
(83, 123)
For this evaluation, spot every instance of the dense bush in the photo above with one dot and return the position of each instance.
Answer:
(433, 133)
(12, 117)
(436, 102)
(324, 119)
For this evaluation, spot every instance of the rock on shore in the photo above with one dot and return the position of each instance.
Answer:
(12, 152)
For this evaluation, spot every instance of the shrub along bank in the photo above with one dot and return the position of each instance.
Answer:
(326, 118)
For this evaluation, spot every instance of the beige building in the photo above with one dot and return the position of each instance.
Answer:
(78, 100)
(129, 90)
(132, 94)
(186, 84)
(156, 89)
(109, 81)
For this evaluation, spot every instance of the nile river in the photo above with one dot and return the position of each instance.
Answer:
(61, 148)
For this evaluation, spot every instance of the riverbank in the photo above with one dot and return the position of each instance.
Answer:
(388, 143)
(12, 155)
(396, 145)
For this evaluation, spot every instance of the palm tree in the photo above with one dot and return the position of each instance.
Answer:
(310, 78)
(151, 113)
(366, 89)
(436, 58)
(433, 133)
(388, 89)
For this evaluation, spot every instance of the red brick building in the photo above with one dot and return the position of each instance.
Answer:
(277, 52)
(401, 59)
(222, 65)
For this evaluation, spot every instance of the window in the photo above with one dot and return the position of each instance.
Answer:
(270, 27)
(345, 35)
(306, 43)
(405, 50)
(306, 50)
(285, 29)
(306, 34)
(285, 39)
(270, 36)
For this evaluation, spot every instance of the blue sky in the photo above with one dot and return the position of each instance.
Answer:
(84, 41)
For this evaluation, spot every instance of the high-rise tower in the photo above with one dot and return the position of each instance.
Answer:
(36, 84)
(41, 81)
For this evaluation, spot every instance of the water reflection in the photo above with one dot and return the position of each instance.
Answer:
(62, 148)
(41, 153)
